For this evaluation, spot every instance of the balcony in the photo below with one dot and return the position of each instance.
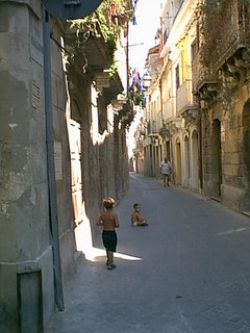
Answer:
(184, 98)
(155, 126)
(201, 74)
(234, 30)
(168, 109)
(227, 31)
(88, 54)
(165, 36)
(225, 37)
(110, 86)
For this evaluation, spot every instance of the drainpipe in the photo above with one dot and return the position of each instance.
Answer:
(54, 234)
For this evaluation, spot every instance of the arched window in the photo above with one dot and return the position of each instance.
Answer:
(217, 158)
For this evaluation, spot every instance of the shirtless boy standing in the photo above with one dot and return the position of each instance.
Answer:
(108, 220)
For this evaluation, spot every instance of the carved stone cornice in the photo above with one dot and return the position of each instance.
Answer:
(191, 116)
(232, 75)
(175, 125)
(164, 132)
(209, 92)
(236, 68)
(102, 81)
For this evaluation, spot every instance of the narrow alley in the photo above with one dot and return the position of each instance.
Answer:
(102, 98)
(187, 272)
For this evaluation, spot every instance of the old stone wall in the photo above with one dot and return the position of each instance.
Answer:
(27, 281)
(60, 105)
(26, 278)
(236, 186)
(224, 147)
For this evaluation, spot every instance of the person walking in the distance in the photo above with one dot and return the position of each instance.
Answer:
(109, 221)
(136, 219)
(165, 168)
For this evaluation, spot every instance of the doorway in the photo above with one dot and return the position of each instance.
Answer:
(195, 161)
(246, 153)
(75, 138)
(168, 155)
(216, 157)
(187, 161)
(178, 162)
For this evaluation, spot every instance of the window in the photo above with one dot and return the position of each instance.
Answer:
(102, 116)
(177, 76)
(194, 49)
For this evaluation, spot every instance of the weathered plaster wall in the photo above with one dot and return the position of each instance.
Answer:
(62, 154)
(24, 228)
(25, 244)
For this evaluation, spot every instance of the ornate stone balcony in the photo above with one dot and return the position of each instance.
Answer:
(175, 125)
(201, 74)
(234, 32)
(88, 49)
(224, 41)
(191, 116)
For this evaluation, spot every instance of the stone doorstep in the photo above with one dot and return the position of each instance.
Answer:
(217, 199)
(246, 213)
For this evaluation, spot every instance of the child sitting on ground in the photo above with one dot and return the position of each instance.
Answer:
(136, 219)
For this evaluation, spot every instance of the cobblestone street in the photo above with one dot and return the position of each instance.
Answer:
(187, 272)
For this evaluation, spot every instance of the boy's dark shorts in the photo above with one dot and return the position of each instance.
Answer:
(109, 239)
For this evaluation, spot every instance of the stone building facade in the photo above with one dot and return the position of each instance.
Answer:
(221, 72)
(55, 168)
(175, 123)
(179, 107)
(204, 91)
(152, 122)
